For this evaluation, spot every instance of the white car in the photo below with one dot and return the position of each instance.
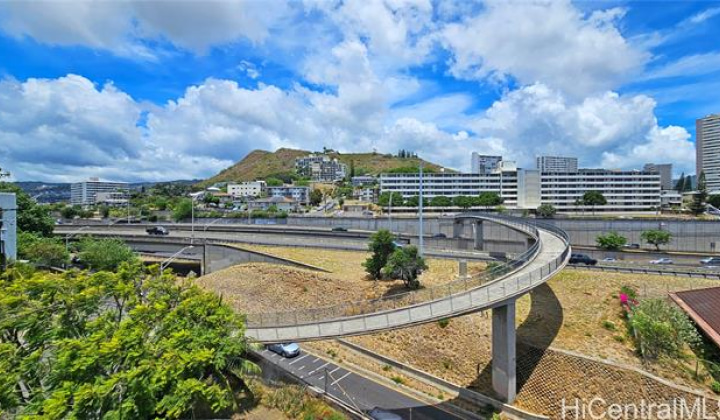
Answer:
(662, 261)
(609, 259)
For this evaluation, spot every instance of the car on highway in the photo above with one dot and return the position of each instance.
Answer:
(710, 261)
(582, 259)
(609, 259)
(661, 261)
(378, 413)
(285, 349)
(439, 236)
(632, 246)
(339, 229)
(157, 230)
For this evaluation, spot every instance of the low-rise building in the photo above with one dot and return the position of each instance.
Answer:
(297, 193)
(85, 193)
(112, 198)
(280, 203)
(8, 228)
(321, 168)
(366, 195)
(247, 189)
(670, 199)
(361, 180)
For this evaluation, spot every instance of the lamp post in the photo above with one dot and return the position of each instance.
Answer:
(390, 213)
(420, 238)
(192, 215)
(165, 263)
(207, 225)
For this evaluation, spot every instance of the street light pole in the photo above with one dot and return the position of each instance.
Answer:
(164, 264)
(390, 213)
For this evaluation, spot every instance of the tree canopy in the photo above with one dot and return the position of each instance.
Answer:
(697, 206)
(381, 246)
(405, 264)
(131, 344)
(611, 241)
(31, 217)
(656, 237)
(105, 254)
(546, 211)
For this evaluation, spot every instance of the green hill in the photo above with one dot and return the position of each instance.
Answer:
(261, 164)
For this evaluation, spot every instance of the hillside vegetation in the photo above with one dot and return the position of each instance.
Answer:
(261, 164)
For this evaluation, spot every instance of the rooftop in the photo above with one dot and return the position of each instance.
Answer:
(703, 306)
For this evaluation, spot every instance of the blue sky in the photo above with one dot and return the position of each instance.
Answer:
(160, 90)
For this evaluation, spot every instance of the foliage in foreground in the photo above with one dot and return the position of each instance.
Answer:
(49, 252)
(130, 344)
(294, 402)
(662, 329)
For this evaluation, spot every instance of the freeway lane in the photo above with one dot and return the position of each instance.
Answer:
(355, 390)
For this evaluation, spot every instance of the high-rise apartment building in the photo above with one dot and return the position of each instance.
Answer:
(85, 193)
(484, 164)
(557, 164)
(665, 171)
(707, 146)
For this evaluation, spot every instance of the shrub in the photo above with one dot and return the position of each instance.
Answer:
(443, 323)
(662, 329)
(629, 292)
(715, 386)
(105, 254)
(381, 246)
(405, 264)
(609, 325)
(398, 380)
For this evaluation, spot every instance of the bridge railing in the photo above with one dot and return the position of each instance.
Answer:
(411, 298)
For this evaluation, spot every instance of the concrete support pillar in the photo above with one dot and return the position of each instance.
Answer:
(462, 269)
(457, 229)
(479, 235)
(504, 377)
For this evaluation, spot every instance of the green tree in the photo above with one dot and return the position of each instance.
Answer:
(273, 182)
(463, 201)
(546, 211)
(593, 198)
(441, 201)
(316, 197)
(104, 212)
(488, 199)
(183, 209)
(612, 241)
(131, 344)
(406, 264)
(105, 254)
(697, 207)
(656, 237)
(714, 200)
(680, 185)
(31, 217)
(414, 201)
(397, 199)
(49, 252)
(662, 329)
(381, 246)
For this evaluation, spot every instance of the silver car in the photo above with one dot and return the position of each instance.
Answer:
(378, 413)
(285, 349)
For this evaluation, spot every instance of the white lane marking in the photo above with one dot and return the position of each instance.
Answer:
(298, 359)
(334, 370)
(318, 368)
(341, 378)
(301, 368)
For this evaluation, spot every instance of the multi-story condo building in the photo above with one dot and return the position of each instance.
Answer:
(483, 164)
(247, 189)
(299, 194)
(359, 181)
(625, 191)
(665, 171)
(554, 164)
(85, 193)
(321, 168)
(8, 228)
(707, 147)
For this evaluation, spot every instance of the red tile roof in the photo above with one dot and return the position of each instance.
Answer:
(703, 306)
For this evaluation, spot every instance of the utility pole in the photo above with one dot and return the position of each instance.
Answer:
(390, 213)
(420, 203)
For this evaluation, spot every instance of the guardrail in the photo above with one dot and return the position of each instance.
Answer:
(455, 293)
(633, 270)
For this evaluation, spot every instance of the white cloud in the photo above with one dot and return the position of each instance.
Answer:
(543, 41)
(124, 26)
(605, 129)
(687, 66)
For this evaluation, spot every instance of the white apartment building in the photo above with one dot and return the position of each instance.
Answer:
(665, 171)
(707, 147)
(8, 227)
(483, 164)
(321, 168)
(112, 198)
(247, 189)
(85, 193)
(299, 194)
(556, 164)
(625, 191)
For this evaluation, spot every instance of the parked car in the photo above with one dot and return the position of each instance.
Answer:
(632, 246)
(378, 413)
(662, 261)
(710, 261)
(339, 229)
(285, 349)
(157, 230)
(582, 259)
(439, 236)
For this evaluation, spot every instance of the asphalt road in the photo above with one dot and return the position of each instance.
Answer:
(355, 390)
